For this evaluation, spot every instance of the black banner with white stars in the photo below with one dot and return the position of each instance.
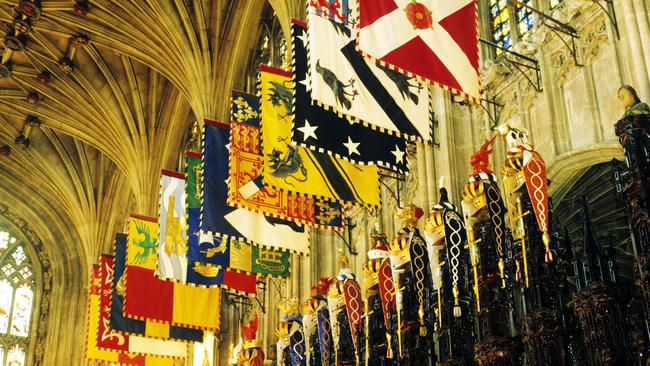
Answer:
(325, 131)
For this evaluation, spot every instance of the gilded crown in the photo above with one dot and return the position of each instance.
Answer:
(282, 330)
(399, 247)
(474, 194)
(290, 308)
(370, 270)
(310, 306)
(336, 290)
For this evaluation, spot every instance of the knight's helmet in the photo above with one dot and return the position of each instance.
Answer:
(290, 309)
(524, 165)
(482, 193)
(376, 256)
(399, 247)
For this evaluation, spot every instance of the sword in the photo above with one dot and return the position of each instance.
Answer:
(474, 258)
(520, 219)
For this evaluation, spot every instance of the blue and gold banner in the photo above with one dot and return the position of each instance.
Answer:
(219, 220)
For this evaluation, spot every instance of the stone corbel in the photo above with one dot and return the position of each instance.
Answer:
(595, 38)
(493, 73)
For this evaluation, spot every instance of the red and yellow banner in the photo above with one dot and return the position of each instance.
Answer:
(150, 298)
(92, 332)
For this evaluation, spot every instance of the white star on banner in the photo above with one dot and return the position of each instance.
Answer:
(303, 37)
(399, 154)
(304, 82)
(308, 131)
(352, 147)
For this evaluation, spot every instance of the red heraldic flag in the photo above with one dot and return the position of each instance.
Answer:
(431, 39)
(150, 298)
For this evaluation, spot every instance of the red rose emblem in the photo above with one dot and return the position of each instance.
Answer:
(419, 15)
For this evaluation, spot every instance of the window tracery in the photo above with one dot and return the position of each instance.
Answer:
(510, 23)
(17, 286)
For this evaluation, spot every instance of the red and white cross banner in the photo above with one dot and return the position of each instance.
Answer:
(432, 39)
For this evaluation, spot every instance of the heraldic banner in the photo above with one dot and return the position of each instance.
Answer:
(218, 219)
(148, 297)
(300, 170)
(355, 86)
(443, 35)
(326, 130)
(94, 353)
(147, 328)
(172, 247)
(208, 261)
(245, 187)
(112, 340)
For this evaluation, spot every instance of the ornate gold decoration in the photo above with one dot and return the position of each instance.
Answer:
(290, 307)
(205, 270)
(174, 240)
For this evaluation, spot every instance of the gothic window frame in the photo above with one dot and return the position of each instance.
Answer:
(513, 26)
(269, 27)
(35, 334)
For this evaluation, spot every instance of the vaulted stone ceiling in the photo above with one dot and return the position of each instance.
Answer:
(139, 74)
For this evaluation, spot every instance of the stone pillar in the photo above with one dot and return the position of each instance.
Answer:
(644, 30)
(636, 49)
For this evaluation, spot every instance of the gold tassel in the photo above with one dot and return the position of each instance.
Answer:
(547, 244)
(423, 328)
(457, 311)
(502, 271)
(389, 349)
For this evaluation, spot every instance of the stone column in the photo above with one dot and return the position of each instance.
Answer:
(644, 31)
(636, 49)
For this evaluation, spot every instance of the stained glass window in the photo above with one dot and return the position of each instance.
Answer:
(500, 17)
(510, 23)
(525, 19)
(555, 3)
(16, 300)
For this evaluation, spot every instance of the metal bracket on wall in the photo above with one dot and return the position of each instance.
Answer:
(493, 110)
(349, 226)
(562, 30)
(523, 64)
(399, 178)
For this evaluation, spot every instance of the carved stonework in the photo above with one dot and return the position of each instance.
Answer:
(511, 104)
(595, 38)
(562, 63)
(35, 241)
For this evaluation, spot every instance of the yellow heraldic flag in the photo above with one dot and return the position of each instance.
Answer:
(300, 170)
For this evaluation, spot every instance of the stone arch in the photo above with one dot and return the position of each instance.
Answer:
(59, 271)
(566, 167)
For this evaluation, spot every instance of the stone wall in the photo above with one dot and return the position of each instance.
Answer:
(570, 121)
